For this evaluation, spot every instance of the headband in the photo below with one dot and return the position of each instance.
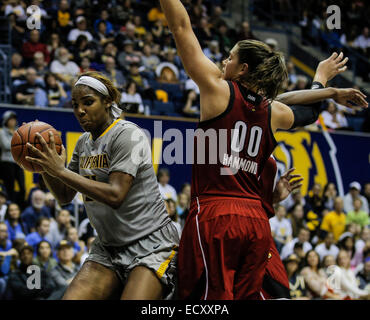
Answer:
(101, 88)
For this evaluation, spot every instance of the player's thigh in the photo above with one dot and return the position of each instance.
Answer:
(93, 282)
(142, 284)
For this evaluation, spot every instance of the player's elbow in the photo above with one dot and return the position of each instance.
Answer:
(115, 201)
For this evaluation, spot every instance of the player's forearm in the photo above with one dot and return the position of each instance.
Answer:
(304, 97)
(62, 193)
(176, 15)
(99, 191)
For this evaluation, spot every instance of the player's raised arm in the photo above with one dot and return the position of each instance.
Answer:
(202, 70)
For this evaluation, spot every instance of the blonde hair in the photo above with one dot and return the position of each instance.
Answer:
(266, 68)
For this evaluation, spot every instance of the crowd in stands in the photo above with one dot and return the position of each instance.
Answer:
(323, 240)
(127, 40)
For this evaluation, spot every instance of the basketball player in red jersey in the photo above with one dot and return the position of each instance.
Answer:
(226, 238)
(275, 282)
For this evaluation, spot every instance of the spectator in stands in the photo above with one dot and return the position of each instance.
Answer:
(156, 14)
(59, 227)
(140, 30)
(54, 93)
(354, 193)
(17, 31)
(3, 203)
(89, 243)
(65, 270)
(44, 258)
(85, 65)
(293, 199)
(329, 195)
(183, 203)
(347, 280)
(333, 118)
(191, 107)
(245, 32)
(33, 45)
(281, 228)
(171, 209)
(297, 285)
(81, 49)
(18, 72)
(131, 100)
(223, 37)
(296, 218)
(316, 278)
(115, 75)
(166, 71)
(358, 216)
(28, 93)
(102, 36)
(335, 221)
(78, 245)
(15, 6)
(6, 255)
(315, 199)
(364, 237)
(37, 210)
(13, 221)
(204, 31)
(80, 30)
(327, 247)
(367, 192)
(347, 242)
(41, 233)
(128, 56)
(150, 61)
(303, 238)
(364, 275)
(10, 171)
(104, 16)
(53, 43)
(109, 50)
(63, 68)
(18, 287)
(40, 65)
(213, 51)
(362, 42)
(166, 190)
(328, 261)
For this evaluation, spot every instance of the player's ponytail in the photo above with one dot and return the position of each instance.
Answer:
(266, 68)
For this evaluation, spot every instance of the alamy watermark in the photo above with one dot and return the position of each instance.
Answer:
(34, 19)
(34, 280)
(334, 20)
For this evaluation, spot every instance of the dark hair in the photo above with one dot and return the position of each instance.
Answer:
(40, 220)
(306, 258)
(80, 39)
(266, 68)
(6, 217)
(129, 83)
(114, 94)
(162, 172)
(39, 245)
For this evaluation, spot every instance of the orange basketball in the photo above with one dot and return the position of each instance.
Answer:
(27, 133)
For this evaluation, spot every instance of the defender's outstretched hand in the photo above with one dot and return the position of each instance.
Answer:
(330, 67)
(287, 183)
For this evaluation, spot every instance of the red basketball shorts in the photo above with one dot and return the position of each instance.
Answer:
(224, 249)
(276, 283)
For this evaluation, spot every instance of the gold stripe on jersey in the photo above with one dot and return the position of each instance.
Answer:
(99, 161)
